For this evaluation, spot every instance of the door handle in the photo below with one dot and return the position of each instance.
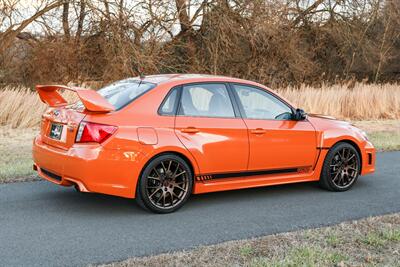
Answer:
(190, 130)
(258, 131)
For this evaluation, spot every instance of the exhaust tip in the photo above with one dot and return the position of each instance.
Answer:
(77, 189)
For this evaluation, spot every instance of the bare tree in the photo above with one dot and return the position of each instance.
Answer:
(82, 14)
(8, 36)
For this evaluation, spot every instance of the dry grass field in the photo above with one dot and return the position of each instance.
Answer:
(362, 102)
(368, 242)
(21, 107)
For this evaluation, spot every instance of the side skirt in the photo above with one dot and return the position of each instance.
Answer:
(232, 181)
(244, 174)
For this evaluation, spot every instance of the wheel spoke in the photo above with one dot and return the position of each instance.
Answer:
(336, 176)
(350, 157)
(154, 192)
(344, 154)
(182, 189)
(341, 178)
(177, 175)
(152, 187)
(162, 164)
(156, 171)
(169, 165)
(176, 195)
(164, 197)
(161, 195)
(176, 170)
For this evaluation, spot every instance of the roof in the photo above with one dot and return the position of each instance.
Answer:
(182, 78)
(163, 78)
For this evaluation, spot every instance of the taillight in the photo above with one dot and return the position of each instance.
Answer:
(94, 132)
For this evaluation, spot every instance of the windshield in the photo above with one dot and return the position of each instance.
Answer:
(123, 92)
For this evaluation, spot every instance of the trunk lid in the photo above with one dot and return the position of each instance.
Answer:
(59, 126)
(61, 121)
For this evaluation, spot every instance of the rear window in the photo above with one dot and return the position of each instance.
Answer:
(123, 92)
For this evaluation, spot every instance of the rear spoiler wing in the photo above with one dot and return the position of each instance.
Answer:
(92, 100)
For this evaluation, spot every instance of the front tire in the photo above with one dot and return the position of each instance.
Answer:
(165, 184)
(341, 168)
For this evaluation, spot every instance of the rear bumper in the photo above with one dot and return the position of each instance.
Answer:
(89, 166)
(368, 157)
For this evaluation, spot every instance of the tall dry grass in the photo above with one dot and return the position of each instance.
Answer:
(361, 102)
(22, 108)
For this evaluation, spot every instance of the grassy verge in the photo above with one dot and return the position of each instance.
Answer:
(368, 242)
(16, 161)
(385, 135)
(385, 141)
(16, 158)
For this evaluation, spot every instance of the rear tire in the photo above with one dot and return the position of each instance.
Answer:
(341, 168)
(165, 184)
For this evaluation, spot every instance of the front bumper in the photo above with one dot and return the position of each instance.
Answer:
(89, 166)
(368, 157)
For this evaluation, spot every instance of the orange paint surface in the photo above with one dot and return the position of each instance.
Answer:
(211, 145)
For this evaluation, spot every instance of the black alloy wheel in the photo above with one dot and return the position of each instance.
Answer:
(341, 168)
(165, 184)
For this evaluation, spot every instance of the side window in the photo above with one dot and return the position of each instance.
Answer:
(259, 104)
(206, 100)
(169, 103)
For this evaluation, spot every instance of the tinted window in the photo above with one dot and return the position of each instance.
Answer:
(168, 106)
(206, 100)
(259, 104)
(121, 93)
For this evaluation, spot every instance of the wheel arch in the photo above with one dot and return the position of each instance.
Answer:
(181, 155)
(176, 153)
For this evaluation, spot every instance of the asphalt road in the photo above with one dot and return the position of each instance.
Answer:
(42, 224)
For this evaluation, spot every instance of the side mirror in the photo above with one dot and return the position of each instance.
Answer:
(300, 115)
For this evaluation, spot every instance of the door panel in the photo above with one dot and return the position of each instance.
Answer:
(276, 140)
(281, 144)
(208, 127)
(219, 145)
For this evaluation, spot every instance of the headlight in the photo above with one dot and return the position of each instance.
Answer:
(364, 134)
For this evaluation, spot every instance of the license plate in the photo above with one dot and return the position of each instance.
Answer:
(56, 131)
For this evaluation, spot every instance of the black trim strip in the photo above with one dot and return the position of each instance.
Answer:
(206, 177)
(51, 174)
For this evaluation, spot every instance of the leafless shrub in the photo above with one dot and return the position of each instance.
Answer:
(274, 42)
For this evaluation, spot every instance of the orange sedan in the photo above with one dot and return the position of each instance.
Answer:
(161, 138)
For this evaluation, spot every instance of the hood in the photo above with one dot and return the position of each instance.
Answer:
(321, 116)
